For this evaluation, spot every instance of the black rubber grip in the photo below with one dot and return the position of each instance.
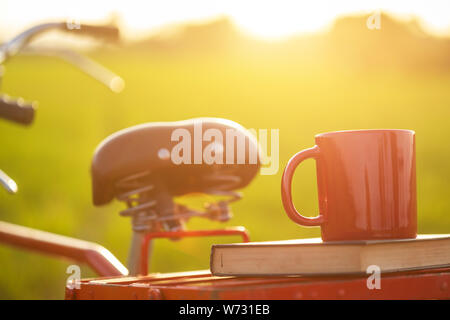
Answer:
(17, 111)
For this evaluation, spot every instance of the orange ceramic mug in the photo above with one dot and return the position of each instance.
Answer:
(366, 185)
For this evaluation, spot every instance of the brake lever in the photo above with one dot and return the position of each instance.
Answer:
(7, 183)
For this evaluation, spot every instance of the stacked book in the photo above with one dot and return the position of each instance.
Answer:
(314, 257)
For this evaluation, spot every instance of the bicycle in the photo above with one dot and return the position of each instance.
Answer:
(147, 187)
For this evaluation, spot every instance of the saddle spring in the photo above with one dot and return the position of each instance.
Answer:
(140, 194)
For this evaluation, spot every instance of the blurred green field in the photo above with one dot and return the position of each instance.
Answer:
(51, 159)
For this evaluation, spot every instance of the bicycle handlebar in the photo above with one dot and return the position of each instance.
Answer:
(13, 46)
(17, 110)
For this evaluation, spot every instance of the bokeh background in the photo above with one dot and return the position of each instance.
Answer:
(297, 71)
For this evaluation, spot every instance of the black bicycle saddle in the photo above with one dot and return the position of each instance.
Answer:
(185, 155)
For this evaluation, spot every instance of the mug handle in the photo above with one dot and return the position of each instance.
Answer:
(286, 188)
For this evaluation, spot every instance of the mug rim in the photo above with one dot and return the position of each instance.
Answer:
(339, 132)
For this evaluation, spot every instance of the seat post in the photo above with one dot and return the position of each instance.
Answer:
(135, 256)
(147, 197)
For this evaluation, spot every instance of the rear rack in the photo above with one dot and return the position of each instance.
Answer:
(201, 285)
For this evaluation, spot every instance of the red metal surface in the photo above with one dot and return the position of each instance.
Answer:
(232, 231)
(366, 183)
(421, 284)
(97, 257)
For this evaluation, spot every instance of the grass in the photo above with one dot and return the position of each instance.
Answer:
(51, 159)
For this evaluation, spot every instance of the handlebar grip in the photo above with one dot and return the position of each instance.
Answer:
(110, 32)
(17, 111)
